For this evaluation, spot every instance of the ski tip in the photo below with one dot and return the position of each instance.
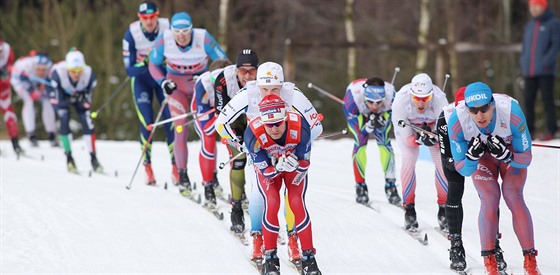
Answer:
(116, 173)
(89, 173)
(165, 185)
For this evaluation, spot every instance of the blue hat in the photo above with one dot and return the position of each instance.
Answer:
(374, 93)
(42, 59)
(147, 7)
(477, 94)
(181, 20)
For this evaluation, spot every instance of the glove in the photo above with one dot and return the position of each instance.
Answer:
(370, 126)
(497, 148)
(379, 120)
(168, 86)
(425, 138)
(291, 163)
(476, 148)
(449, 164)
(279, 163)
(36, 95)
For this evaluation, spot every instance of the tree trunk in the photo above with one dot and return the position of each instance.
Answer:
(423, 31)
(350, 38)
(222, 25)
(453, 59)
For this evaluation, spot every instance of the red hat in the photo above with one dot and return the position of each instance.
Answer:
(542, 3)
(272, 108)
(460, 94)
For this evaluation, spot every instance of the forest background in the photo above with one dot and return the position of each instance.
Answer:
(328, 43)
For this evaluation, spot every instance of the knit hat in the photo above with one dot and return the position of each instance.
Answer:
(75, 60)
(421, 85)
(272, 108)
(270, 73)
(460, 95)
(477, 94)
(147, 8)
(247, 57)
(542, 3)
(181, 20)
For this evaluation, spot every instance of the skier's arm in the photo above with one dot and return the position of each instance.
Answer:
(406, 135)
(521, 140)
(459, 147)
(444, 149)
(261, 161)
(212, 48)
(129, 57)
(236, 107)
(220, 92)
(303, 106)
(156, 60)
(355, 120)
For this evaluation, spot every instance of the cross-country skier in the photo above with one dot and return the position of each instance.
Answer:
(7, 58)
(72, 84)
(138, 41)
(179, 56)
(419, 103)
(279, 143)
(367, 106)
(490, 140)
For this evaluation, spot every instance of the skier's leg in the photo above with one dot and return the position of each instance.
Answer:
(269, 189)
(169, 128)
(10, 117)
(49, 118)
(296, 195)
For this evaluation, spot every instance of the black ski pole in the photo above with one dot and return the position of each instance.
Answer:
(94, 113)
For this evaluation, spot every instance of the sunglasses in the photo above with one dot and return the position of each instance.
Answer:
(377, 102)
(181, 31)
(75, 70)
(483, 109)
(422, 99)
(244, 72)
(148, 16)
(275, 124)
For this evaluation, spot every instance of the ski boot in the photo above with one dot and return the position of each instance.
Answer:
(502, 265)
(293, 248)
(218, 190)
(70, 164)
(410, 222)
(17, 148)
(457, 253)
(150, 179)
(490, 263)
(33, 140)
(174, 174)
(237, 219)
(53, 140)
(95, 164)
(271, 263)
(309, 264)
(391, 192)
(442, 220)
(258, 246)
(209, 195)
(184, 183)
(362, 193)
(530, 262)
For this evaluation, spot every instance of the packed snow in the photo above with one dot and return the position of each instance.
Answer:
(60, 223)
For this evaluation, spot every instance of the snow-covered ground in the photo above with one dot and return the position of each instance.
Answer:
(60, 223)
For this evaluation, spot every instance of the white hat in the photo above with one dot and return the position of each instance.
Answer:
(270, 73)
(421, 85)
(75, 60)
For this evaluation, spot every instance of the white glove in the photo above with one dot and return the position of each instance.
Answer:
(370, 125)
(279, 163)
(291, 163)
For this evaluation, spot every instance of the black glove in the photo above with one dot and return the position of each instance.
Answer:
(497, 148)
(476, 148)
(425, 138)
(168, 86)
(449, 164)
(379, 120)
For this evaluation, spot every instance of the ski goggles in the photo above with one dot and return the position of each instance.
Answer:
(418, 99)
(243, 72)
(274, 124)
(181, 31)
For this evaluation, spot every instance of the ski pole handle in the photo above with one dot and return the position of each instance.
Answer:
(318, 89)
(223, 164)
(403, 124)
(397, 70)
